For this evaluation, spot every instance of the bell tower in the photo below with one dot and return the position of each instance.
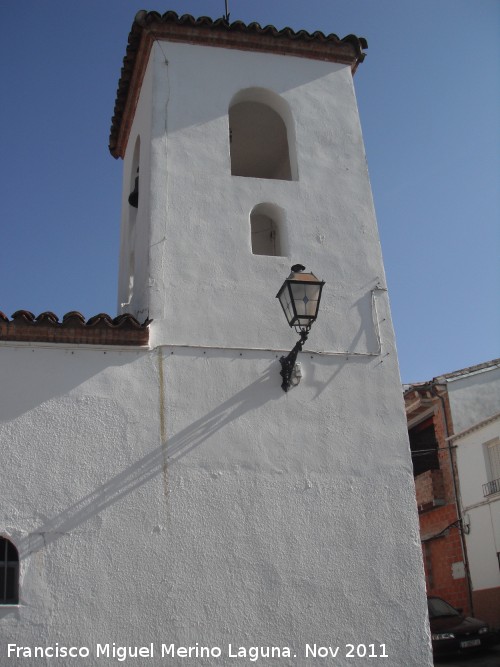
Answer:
(293, 513)
(242, 153)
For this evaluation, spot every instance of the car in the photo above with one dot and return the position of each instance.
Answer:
(452, 632)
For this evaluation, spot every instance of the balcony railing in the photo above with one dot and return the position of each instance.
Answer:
(491, 487)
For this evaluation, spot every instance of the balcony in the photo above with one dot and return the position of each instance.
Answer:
(491, 487)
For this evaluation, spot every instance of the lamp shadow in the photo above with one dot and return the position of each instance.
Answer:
(366, 332)
(252, 397)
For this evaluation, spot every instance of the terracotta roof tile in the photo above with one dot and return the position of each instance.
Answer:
(74, 318)
(148, 26)
(98, 330)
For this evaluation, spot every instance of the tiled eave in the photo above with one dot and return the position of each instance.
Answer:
(149, 26)
(471, 370)
(74, 329)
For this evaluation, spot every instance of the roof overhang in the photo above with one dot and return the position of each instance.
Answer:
(150, 26)
(420, 404)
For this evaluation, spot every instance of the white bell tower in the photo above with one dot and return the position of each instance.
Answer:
(291, 516)
(248, 153)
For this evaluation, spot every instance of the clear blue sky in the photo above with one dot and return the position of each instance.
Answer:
(429, 98)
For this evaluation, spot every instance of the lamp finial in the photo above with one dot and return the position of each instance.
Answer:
(297, 268)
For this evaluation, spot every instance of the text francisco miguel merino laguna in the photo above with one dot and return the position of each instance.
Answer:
(166, 651)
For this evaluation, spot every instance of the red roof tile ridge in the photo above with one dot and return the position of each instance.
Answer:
(145, 19)
(101, 329)
(470, 370)
(23, 316)
(73, 318)
(441, 379)
(48, 317)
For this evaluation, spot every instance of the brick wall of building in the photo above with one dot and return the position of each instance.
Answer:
(442, 548)
(429, 487)
(443, 557)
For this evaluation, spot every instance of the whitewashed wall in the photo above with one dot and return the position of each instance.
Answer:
(482, 514)
(200, 250)
(474, 397)
(208, 507)
(178, 494)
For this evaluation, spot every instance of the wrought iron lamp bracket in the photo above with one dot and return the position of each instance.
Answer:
(288, 362)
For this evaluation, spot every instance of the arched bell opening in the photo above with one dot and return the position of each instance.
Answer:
(262, 136)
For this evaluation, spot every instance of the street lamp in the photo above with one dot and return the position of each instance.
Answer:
(299, 296)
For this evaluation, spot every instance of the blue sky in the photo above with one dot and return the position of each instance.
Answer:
(429, 99)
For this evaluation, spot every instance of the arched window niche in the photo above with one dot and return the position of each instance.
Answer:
(262, 136)
(267, 230)
(9, 572)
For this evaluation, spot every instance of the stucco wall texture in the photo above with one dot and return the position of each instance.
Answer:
(474, 397)
(195, 215)
(181, 496)
(177, 494)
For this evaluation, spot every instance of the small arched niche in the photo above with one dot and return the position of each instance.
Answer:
(262, 136)
(267, 230)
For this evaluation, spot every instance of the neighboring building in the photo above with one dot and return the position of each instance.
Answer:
(429, 424)
(474, 393)
(478, 468)
(453, 429)
(166, 490)
(475, 402)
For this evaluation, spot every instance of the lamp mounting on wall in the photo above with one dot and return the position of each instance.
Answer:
(299, 296)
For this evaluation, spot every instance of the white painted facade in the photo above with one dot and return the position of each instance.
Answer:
(193, 224)
(481, 512)
(177, 494)
(474, 394)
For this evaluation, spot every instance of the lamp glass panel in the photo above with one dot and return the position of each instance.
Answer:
(298, 290)
(313, 291)
(299, 298)
(306, 297)
(312, 294)
(287, 304)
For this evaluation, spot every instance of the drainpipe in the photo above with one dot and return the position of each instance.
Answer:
(455, 493)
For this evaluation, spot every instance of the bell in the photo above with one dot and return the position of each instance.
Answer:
(133, 198)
